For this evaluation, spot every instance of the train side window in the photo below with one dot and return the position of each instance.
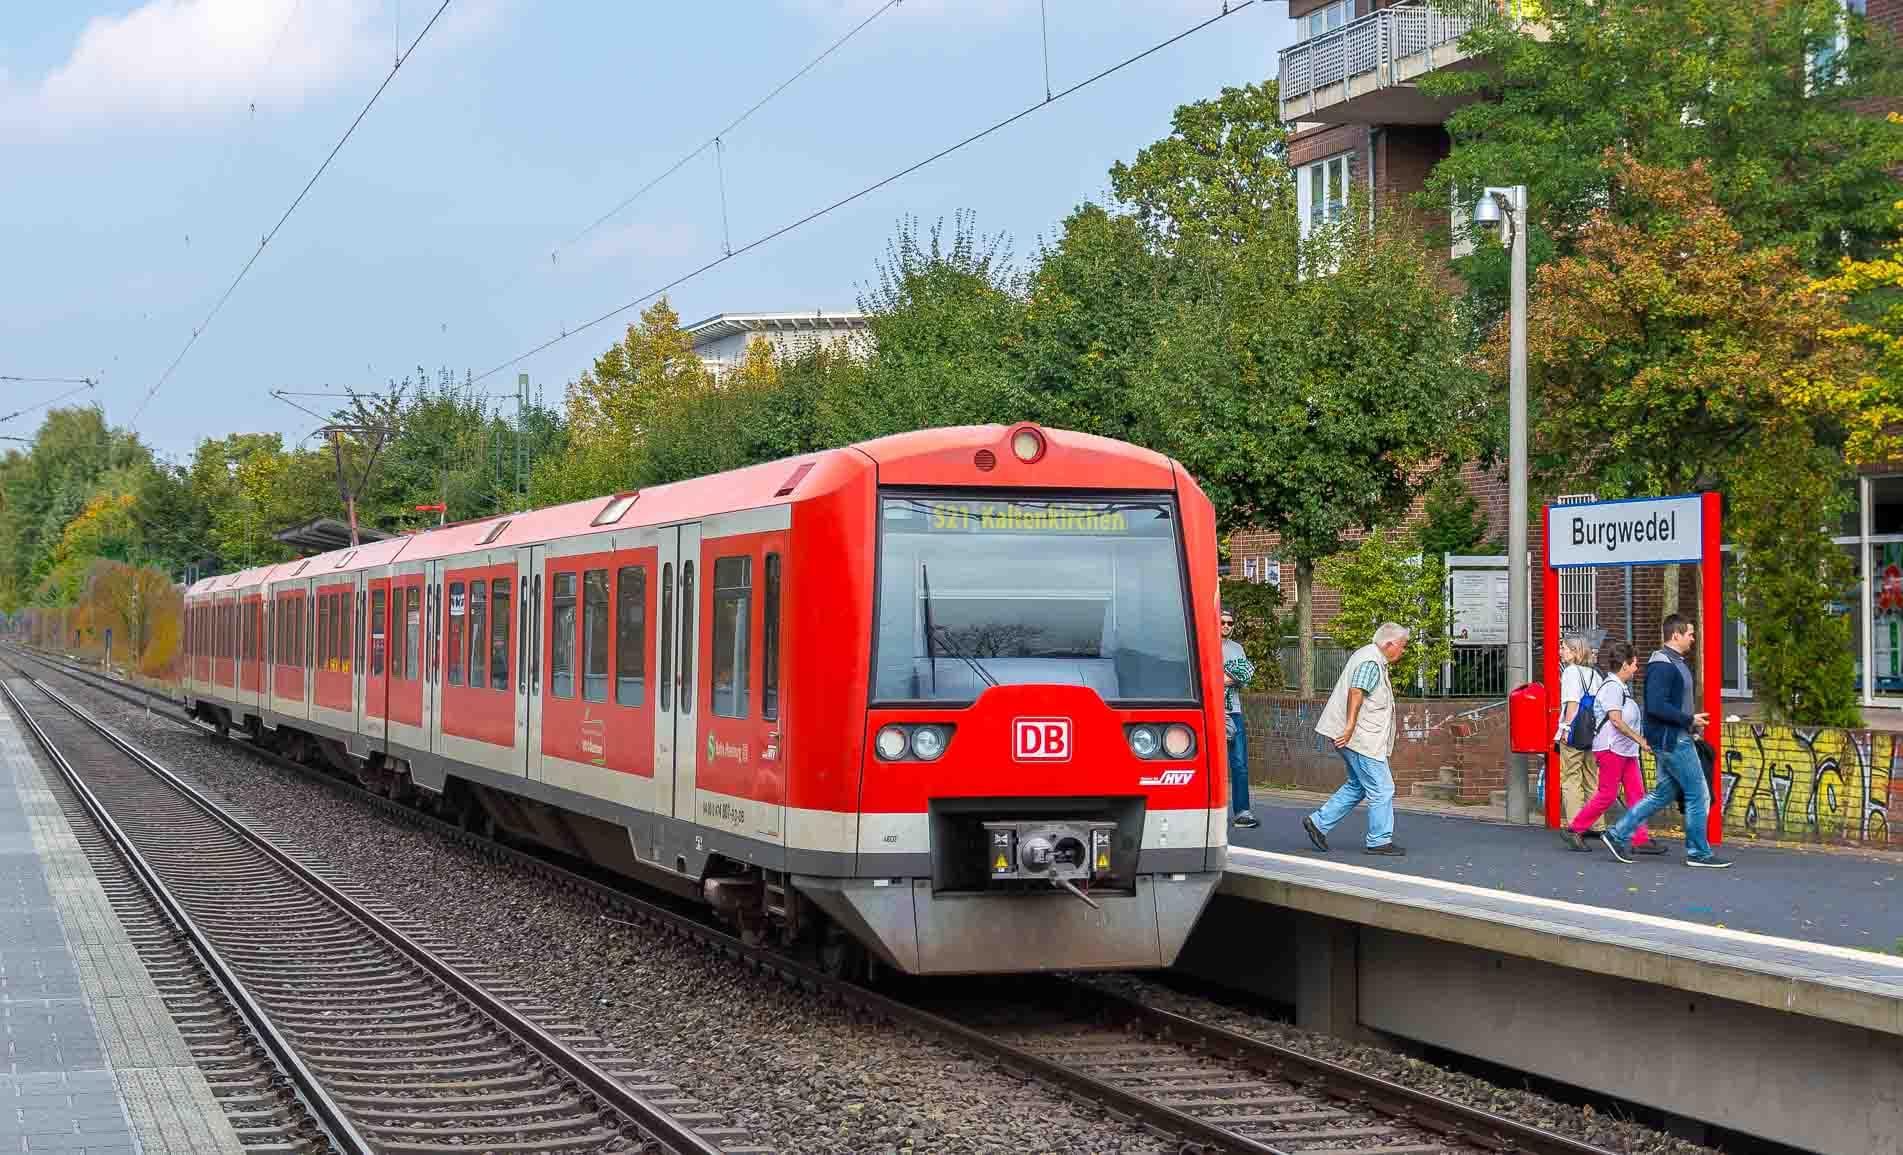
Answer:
(413, 634)
(377, 620)
(689, 638)
(770, 642)
(522, 636)
(595, 624)
(310, 628)
(499, 634)
(535, 643)
(561, 638)
(478, 632)
(667, 636)
(455, 633)
(733, 608)
(326, 632)
(631, 634)
(363, 621)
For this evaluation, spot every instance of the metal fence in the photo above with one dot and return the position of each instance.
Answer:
(1473, 671)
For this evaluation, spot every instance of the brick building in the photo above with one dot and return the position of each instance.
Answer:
(1356, 119)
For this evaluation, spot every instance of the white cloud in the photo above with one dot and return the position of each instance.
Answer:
(183, 63)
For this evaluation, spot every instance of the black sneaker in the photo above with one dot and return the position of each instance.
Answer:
(1315, 834)
(1714, 862)
(1648, 848)
(1247, 820)
(1622, 853)
(1386, 848)
(1573, 841)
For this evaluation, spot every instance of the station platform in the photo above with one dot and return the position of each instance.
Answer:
(1836, 897)
(91, 1062)
(1764, 999)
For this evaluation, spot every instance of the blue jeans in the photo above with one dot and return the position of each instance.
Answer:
(1238, 767)
(1367, 778)
(1681, 775)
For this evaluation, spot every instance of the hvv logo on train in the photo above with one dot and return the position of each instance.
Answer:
(1040, 739)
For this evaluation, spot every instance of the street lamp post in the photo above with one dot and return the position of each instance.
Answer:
(1507, 207)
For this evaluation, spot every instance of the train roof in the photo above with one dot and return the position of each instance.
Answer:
(946, 456)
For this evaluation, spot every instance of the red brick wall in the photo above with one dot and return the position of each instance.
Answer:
(1309, 147)
(1284, 749)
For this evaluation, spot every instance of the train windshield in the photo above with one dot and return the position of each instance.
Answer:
(976, 592)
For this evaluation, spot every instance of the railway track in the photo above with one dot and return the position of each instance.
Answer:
(393, 1043)
(1211, 1088)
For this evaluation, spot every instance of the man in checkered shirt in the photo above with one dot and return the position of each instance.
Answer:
(1359, 719)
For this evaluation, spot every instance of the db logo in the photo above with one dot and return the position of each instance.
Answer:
(1040, 739)
(1169, 778)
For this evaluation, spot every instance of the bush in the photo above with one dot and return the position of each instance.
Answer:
(1380, 581)
(1259, 628)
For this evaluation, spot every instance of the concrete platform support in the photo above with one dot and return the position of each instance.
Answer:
(1817, 1085)
(1327, 976)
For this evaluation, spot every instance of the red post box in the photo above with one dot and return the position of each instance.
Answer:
(1528, 729)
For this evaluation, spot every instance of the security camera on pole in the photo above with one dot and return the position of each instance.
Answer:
(1506, 207)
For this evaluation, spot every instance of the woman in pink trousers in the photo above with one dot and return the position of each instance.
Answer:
(1615, 746)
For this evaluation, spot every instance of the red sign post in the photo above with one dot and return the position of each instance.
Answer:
(1646, 531)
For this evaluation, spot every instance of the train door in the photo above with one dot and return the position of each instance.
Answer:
(676, 714)
(403, 693)
(530, 562)
(359, 649)
(434, 635)
(378, 630)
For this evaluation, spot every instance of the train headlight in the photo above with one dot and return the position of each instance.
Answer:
(928, 742)
(1027, 445)
(1178, 741)
(891, 743)
(1143, 741)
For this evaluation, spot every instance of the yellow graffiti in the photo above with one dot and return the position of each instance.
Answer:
(1808, 783)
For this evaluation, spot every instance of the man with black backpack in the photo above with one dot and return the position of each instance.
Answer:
(1578, 773)
(1671, 729)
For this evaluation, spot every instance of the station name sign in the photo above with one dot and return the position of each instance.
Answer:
(1646, 531)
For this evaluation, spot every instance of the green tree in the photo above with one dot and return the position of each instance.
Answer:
(1089, 328)
(1218, 177)
(1757, 92)
(944, 315)
(1452, 521)
(1380, 581)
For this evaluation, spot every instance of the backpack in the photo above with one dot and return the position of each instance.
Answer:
(1585, 727)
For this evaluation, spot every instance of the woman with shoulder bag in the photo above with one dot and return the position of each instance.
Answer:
(1578, 772)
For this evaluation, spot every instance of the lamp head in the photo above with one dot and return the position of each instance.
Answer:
(1487, 209)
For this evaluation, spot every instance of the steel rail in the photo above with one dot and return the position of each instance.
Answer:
(1448, 1117)
(664, 1128)
(324, 1110)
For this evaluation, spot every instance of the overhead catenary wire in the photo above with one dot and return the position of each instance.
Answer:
(998, 126)
(711, 142)
(49, 401)
(50, 380)
(296, 201)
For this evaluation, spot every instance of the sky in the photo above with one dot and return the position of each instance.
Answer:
(147, 148)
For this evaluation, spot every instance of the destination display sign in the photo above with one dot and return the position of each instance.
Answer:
(1060, 518)
(1644, 531)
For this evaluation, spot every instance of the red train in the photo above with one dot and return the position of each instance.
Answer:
(951, 697)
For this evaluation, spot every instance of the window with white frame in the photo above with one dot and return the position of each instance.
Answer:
(1824, 61)
(1325, 19)
(1322, 192)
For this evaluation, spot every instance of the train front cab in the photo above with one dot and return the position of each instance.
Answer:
(1043, 784)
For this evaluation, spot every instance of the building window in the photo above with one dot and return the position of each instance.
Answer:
(1326, 19)
(1322, 191)
(1827, 59)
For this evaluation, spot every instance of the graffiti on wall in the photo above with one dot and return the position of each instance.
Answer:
(1810, 783)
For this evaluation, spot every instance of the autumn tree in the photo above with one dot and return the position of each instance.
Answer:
(1669, 355)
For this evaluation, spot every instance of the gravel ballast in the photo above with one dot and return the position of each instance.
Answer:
(802, 1074)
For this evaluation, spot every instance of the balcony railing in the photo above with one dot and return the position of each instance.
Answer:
(1376, 43)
